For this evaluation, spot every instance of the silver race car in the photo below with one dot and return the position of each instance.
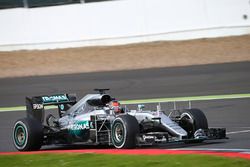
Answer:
(100, 119)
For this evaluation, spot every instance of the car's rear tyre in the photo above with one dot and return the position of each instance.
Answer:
(27, 134)
(124, 131)
(192, 120)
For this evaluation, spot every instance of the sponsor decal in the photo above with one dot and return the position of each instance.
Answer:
(55, 98)
(148, 137)
(79, 128)
(37, 106)
(62, 107)
(91, 124)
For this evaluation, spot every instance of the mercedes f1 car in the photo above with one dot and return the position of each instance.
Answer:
(100, 119)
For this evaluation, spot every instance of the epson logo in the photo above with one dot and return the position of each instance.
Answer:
(37, 106)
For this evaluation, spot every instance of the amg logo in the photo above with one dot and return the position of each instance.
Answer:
(37, 106)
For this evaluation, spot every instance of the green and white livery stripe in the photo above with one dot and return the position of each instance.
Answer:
(155, 100)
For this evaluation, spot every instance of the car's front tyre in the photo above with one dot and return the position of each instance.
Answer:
(192, 120)
(124, 130)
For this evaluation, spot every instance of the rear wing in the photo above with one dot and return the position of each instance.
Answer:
(35, 105)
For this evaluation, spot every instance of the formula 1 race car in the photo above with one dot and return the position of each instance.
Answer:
(100, 119)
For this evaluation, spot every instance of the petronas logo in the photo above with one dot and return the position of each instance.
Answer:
(78, 128)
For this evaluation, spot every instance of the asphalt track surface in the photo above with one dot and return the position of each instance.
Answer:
(142, 84)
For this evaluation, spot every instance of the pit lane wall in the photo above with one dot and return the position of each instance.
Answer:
(121, 22)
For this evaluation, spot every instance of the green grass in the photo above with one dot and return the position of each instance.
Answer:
(98, 160)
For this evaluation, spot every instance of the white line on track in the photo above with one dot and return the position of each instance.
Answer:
(237, 132)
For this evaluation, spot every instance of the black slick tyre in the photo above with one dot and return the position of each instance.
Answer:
(124, 130)
(27, 134)
(192, 120)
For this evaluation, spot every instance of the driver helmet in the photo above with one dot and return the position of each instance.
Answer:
(116, 106)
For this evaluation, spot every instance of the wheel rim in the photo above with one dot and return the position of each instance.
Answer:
(188, 118)
(189, 123)
(118, 133)
(20, 135)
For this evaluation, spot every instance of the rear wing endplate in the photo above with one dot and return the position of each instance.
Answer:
(35, 105)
